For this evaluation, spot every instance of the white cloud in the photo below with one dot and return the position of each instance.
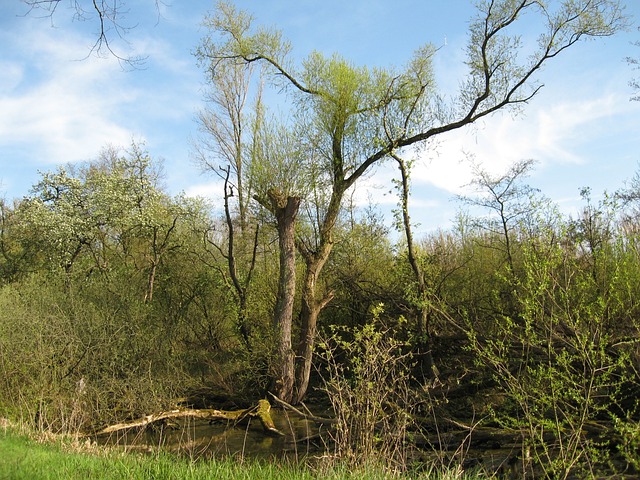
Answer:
(564, 126)
(212, 189)
(58, 105)
(550, 133)
(57, 126)
(66, 113)
(374, 189)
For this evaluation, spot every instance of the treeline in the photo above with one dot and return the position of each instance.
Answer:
(117, 298)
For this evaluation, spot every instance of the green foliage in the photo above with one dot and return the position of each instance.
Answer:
(555, 337)
(360, 284)
(558, 364)
(71, 364)
(367, 381)
(115, 297)
(113, 313)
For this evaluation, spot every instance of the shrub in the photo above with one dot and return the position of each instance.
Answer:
(367, 380)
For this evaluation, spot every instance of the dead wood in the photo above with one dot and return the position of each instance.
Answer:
(260, 411)
(308, 416)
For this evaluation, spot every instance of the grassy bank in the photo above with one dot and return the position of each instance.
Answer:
(28, 459)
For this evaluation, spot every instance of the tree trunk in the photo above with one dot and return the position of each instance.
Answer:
(423, 327)
(309, 317)
(285, 210)
(311, 305)
(309, 313)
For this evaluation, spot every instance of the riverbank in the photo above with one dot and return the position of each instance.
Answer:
(52, 458)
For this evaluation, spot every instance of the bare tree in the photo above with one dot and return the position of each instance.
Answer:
(635, 82)
(226, 130)
(506, 197)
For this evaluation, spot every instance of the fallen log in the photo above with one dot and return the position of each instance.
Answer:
(260, 411)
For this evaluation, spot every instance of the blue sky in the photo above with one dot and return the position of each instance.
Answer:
(56, 106)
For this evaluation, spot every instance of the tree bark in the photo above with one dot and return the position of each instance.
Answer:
(309, 313)
(311, 304)
(285, 209)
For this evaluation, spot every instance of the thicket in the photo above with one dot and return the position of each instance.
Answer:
(116, 299)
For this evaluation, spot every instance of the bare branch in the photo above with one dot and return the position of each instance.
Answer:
(108, 15)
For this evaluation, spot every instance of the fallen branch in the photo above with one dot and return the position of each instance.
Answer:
(260, 411)
(308, 416)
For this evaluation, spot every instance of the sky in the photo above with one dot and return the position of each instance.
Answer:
(60, 105)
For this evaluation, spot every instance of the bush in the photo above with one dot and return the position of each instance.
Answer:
(367, 381)
(558, 366)
(69, 364)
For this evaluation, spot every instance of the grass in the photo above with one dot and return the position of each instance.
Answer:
(22, 457)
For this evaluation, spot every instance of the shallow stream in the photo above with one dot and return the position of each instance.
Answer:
(201, 439)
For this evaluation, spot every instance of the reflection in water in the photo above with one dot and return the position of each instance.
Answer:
(201, 439)
(197, 439)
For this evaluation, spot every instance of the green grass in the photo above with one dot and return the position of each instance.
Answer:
(24, 458)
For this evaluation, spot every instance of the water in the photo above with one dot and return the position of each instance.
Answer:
(201, 439)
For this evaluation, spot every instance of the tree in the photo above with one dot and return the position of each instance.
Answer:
(404, 187)
(505, 196)
(279, 182)
(227, 132)
(239, 284)
(111, 210)
(593, 233)
(221, 150)
(421, 300)
(355, 117)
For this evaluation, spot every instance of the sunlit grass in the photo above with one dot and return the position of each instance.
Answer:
(28, 459)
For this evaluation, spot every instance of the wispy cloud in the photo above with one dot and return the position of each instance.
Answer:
(57, 105)
(68, 110)
(550, 132)
(211, 189)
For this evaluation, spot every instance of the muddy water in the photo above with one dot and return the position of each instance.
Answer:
(200, 439)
